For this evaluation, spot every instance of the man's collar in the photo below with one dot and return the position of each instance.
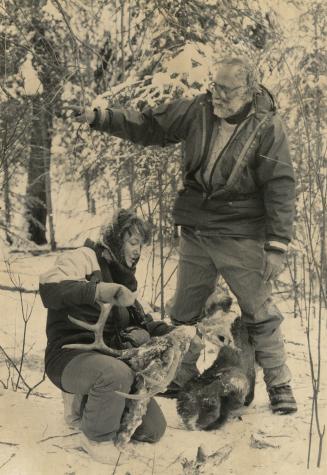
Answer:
(241, 115)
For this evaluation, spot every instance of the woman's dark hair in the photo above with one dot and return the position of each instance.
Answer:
(124, 221)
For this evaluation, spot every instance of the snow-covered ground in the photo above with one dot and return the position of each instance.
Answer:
(34, 439)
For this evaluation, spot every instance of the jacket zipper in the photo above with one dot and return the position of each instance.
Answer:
(236, 130)
(203, 143)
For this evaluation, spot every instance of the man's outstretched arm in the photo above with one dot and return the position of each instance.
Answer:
(164, 125)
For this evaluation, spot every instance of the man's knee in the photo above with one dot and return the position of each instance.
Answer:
(264, 319)
(186, 306)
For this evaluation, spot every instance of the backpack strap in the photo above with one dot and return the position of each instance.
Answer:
(241, 158)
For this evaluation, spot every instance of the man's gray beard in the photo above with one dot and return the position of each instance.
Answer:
(223, 112)
(226, 112)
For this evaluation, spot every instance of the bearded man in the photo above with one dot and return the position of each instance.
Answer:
(236, 207)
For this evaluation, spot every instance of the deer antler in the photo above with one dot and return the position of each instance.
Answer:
(136, 358)
(97, 329)
(115, 293)
(139, 358)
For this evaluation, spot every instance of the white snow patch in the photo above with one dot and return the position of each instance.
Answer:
(32, 83)
(35, 440)
(52, 10)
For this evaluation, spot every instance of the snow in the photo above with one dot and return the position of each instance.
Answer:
(182, 63)
(34, 439)
(51, 10)
(33, 436)
(32, 83)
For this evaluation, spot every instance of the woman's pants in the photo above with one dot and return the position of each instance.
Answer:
(98, 376)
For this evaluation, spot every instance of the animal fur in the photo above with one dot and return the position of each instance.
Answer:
(155, 366)
(206, 400)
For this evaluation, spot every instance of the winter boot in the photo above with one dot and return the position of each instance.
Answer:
(73, 409)
(102, 452)
(282, 400)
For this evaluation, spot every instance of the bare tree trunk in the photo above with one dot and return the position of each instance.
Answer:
(131, 182)
(46, 160)
(6, 193)
(122, 29)
(36, 192)
(161, 243)
(87, 187)
(119, 191)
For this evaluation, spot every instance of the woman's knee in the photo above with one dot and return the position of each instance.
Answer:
(115, 374)
(159, 426)
(153, 425)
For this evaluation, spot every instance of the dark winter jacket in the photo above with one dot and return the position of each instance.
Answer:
(69, 288)
(251, 190)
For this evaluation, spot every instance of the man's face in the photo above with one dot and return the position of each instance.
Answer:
(132, 247)
(230, 91)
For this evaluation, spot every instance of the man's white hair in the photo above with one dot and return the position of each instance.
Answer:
(245, 65)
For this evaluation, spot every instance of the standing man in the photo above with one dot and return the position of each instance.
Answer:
(236, 208)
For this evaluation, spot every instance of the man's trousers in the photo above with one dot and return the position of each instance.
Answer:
(203, 258)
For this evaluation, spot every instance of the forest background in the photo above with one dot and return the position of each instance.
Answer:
(60, 181)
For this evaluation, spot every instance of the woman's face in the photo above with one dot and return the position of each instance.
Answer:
(132, 247)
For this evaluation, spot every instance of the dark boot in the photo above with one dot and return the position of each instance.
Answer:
(282, 400)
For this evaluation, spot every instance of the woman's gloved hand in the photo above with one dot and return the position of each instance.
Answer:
(133, 337)
(115, 294)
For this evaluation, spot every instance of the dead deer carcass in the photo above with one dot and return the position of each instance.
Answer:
(205, 401)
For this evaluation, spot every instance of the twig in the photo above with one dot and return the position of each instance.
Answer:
(153, 461)
(35, 385)
(7, 461)
(14, 366)
(174, 461)
(26, 318)
(167, 282)
(75, 38)
(56, 437)
(18, 289)
(116, 465)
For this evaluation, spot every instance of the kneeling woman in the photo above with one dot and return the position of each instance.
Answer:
(78, 280)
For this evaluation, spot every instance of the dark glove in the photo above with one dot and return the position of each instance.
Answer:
(133, 337)
(159, 328)
(274, 264)
(82, 115)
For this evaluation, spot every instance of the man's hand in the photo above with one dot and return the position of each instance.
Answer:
(115, 294)
(274, 264)
(82, 114)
